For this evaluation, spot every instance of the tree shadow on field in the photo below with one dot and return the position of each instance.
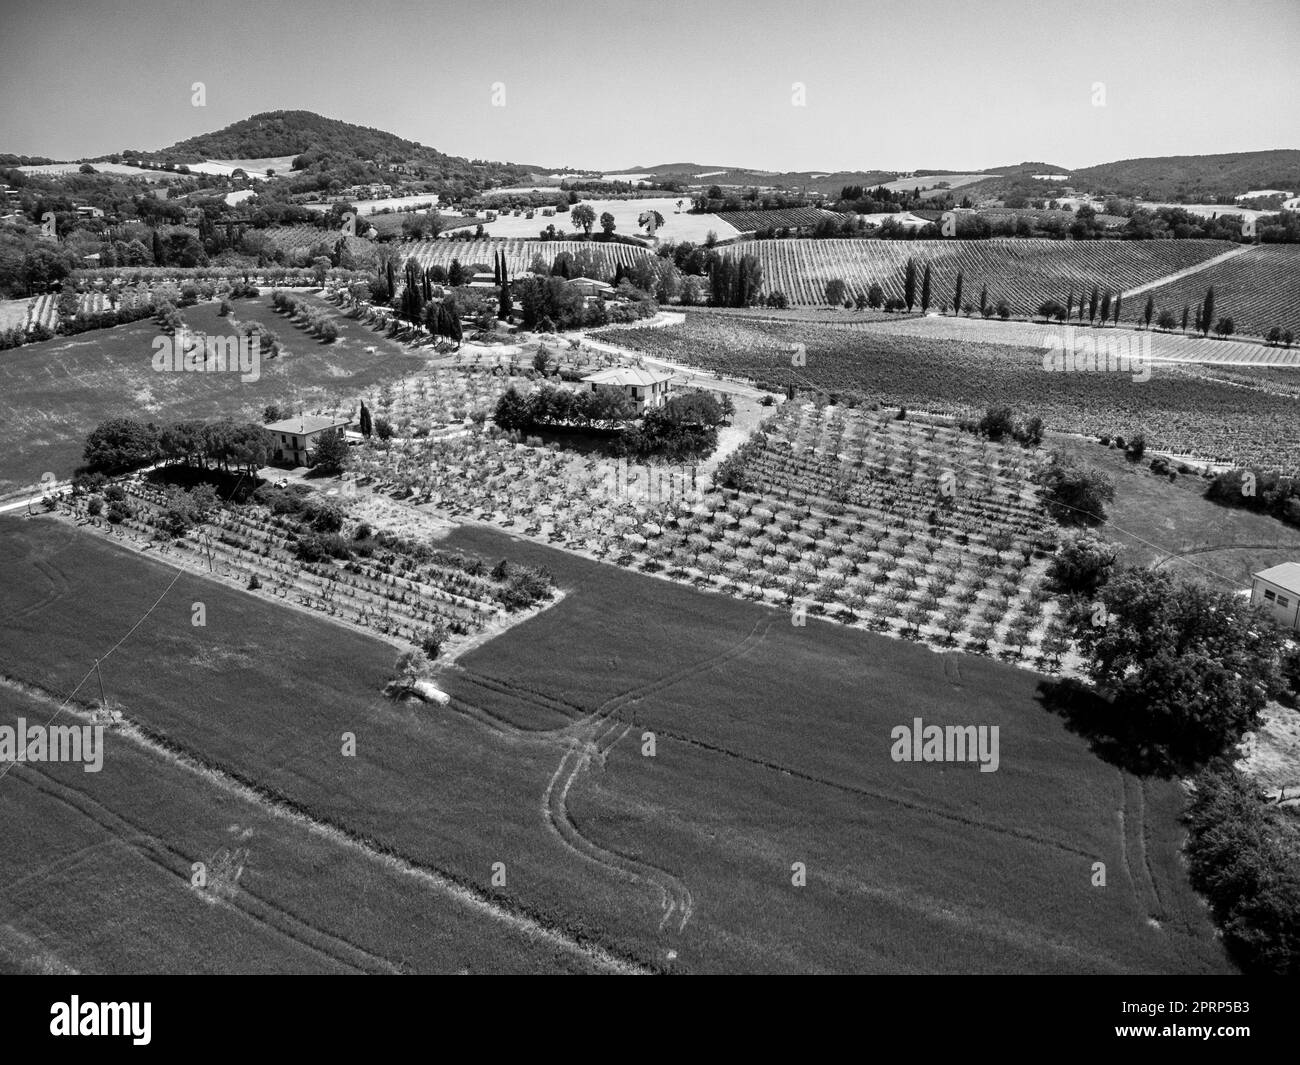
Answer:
(1110, 728)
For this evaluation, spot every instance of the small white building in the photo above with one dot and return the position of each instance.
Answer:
(1277, 590)
(646, 388)
(294, 439)
(588, 287)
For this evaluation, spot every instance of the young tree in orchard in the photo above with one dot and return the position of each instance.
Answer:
(584, 217)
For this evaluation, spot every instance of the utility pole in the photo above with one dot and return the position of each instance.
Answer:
(103, 701)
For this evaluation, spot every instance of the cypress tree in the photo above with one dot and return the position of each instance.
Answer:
(1119, 296)
(1207, 310)
(909, 283)
(956, 294)
(925, 289)
(505, 308)
(366, 425)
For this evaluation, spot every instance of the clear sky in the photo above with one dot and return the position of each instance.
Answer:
(890, 84)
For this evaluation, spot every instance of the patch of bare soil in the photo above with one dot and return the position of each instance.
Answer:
(1271, 754)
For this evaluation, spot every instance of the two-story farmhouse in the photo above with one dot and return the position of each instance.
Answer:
(646, 388)
(294, 439)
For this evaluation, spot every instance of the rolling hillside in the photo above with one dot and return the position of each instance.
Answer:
(1258, 289)
(1022, 272)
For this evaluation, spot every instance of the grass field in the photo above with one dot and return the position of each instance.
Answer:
(1156, 521)
(772, 748)
(281, 896)
(53, 393)
(683, 226)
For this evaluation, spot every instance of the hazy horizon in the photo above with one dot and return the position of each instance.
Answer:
(611, 86)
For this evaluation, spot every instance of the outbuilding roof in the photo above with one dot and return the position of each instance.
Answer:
(1287, 576)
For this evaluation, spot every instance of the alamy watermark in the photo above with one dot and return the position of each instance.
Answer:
(1070, 350)
(919, 742)
(53, 743)
(191, 353)
(78, 1018)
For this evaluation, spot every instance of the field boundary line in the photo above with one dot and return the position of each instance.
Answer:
(1187, 271)
(152, 849)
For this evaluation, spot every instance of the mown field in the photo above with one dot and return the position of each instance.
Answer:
(53, 393)
(772, 748)
(1023, 272)
(1176, 409)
